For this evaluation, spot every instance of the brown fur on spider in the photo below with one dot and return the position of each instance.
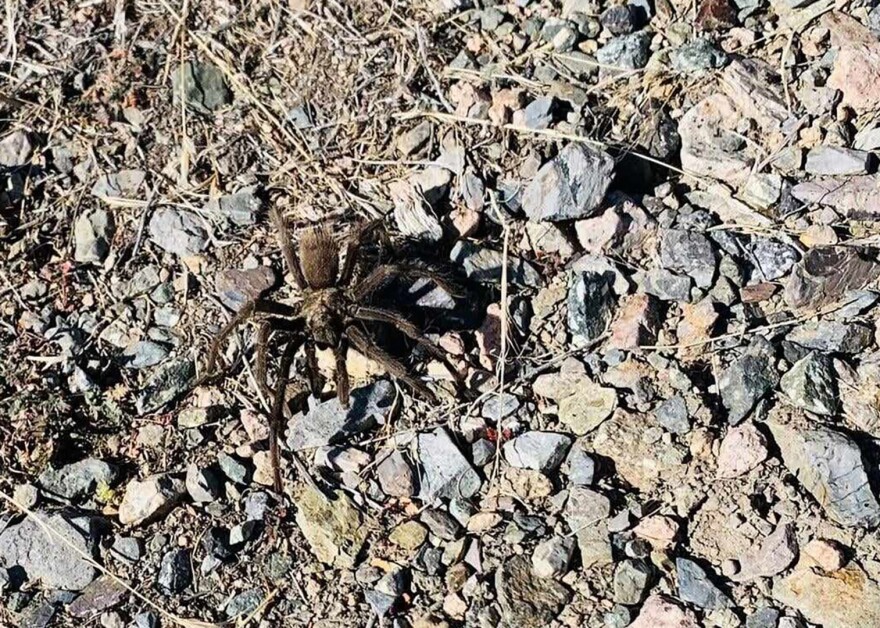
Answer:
(329, 315)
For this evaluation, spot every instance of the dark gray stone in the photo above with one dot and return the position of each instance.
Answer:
(178, 231)
(632, 581)
(77, 480)
(766, 617)
(826, 273)
(447, 473)
(665, 285)
(538, 114)
(166, 384)
(590, 307)
(328, 422)
(37, 615)
(148, 619)
(93, 232)
(240, 208)
(690, 253)
(441, 524)
(672, 414)
(832, 336)
(627, 52)
(144, 354)
(244, 603)
(119, 185)
(747, 380)
(697, 56)
(619, 19)
(202, 86)
(811, 384)
(486, 265)
(773, 259)
(175, 574)
(127, 548)
(103, 593)
(498, 407)
(572, 185)
(696, 587)
(539, 451)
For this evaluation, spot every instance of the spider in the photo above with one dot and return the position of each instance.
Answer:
(329, 315)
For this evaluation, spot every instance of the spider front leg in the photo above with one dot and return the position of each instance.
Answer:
(352, 248)
(385, 273)
(343, 384)
(293, 264)
(277, 413)
(407, 328)
(313, 373)
(372, 351)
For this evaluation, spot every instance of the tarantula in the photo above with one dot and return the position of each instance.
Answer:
(329, 315)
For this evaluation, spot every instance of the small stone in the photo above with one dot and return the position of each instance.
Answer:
(597, 235)
(696, 587)
(235, 469)
(415, 139)
(632, 580)
(500, 406)
(538, 114)
(45, 558)
(487, 265)
(697, 56)
(586, 514)
(811, 384)
(541, 451)
(202, 484)
(103, 593)
(93, 232)
(144, 354)
(835, 160)
(619, 616)
(659, 611)
(743, 449)
(665, 285)
(546, 237)
(619, 19)
(119, 185)
(766, 617)
(165, 384)
(201, 85)
(590, 306)
(239, 209)
(828, 555)
(482, 452)
(715, 15)
(127, 548)
(26, 495)
(441, 524)
(395, 475)
(581, 466)
(828, 336)
(333, 527)
(636, 323)
(762, 190)
(178, 231)
(769, 556)
(626, 52)
(774, 259)
(588, 408)
(447, 473)
(15, 150)
(659, 530)
(571, 185)
(413, 213)
(409, 535)
(552, 557)
(236, 287)
(747, 380)
(672, 414)
(824, 274)
(77, 480)
(526, 600)
(328, 422)
(175, 574)
(690, 253)
(147, 500)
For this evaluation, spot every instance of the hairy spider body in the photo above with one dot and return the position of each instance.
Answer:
(330, 314)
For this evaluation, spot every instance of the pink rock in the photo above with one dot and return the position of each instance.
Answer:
(743, 449)
(636, 323)
(856, 71)
(595, 234)
(659, 611)
(696, 326)
(703, 150)
(658, 530)
(770, 556)
(828, 555)
(257, 427)
(465, 221)
(489, 337)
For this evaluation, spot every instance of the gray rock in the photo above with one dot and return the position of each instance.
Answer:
(773, 259)
(447, 473)
(77, 480)
(696, 587)
(632, 581)
(44, 557)
(38, 614)
(590, 307)
(665, 284)
(144, 354)
(244, 603)
(767, 617)
(619, 19)
(874, 20)
(240, 208)
(540, 451)
(395, 475)
(175, 573)
(482, 452)
(178, 231)
(672, 414)
(538, 114)
(688, 252)
(552, 557)
(15, 150)
(93, 232)
(581, 466)
(572, 185)
(328, 422)
(148, 500)
(166, 384)
(627, 52)
(237, 470)
(127, 548)
(122, 184)
(829, 465)
(202, 484)
(836, 160)
(441, 524)
(696, 56)
(747, 380)
(826, 273)
(527, 600)
(828, 336)
(769, 556)
(586, 514)
(619, 616)
(415, 139)
(103, 593)
(201, 85)
(413, 213)
(500, 406)
(486, 265)
(811, 384)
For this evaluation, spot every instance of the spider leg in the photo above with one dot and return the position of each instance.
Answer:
(384, 273)
(366, 346)
(261, 360)
(313, 373)
(406, 327)
(343, 385)
(277, 412)
(287, 249)
(352, 248)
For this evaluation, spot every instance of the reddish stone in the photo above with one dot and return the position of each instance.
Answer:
(636, 323)
(716, 15)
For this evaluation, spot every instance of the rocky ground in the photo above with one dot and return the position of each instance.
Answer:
(661, 216)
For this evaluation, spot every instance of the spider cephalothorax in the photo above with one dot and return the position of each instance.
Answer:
(330, 314)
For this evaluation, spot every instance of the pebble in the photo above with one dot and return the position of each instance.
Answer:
(77, 480)
(619, 19)
(100, 595)
(15, 150)
(395, 475)
(541, 451)
(835, 160)
(690, 253)
(239, 209)
(144, 354)
(632, 581)
(586, 514)
(409, 535)
(446, 472)
(441, 524)
(665, 285)
(147, 500)
(333, 527)
(811, 384)
(747, 380)
(697, 56)
(551, 558)
(236, 287)
(538, 114)
(827, 555)
(527, 600)
(774, 259)
(626, 52)
(743, 448)
(828, 336)
(672, 414)
(118, 185)
(237, 470)
(590, 307)
(581, 466)
(696, 587)
(165, 384)
(202, 484)
(487, 265)
(659, 611)
(201, 85)
(175, 574)
(572, 185)
(178, 231)
(93, 232)
(769, 556)
(244, 603)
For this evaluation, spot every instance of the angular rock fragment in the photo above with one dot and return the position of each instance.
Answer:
(77, 480)
(696, 587)
(590, 306)
(837, 161)
(447, 473)
(632, 580)
(178, 231)
(166, 383)
(810, 384)
(201, 85)
(332, 525)
(690, 253)
(147, 500)
(659, 611)
(855, 197)
(832, 336)
(827, 273)
(586, 513)
(93, 233)
(769, 556)
(747, 380)
(527, 600)
(487, 265)
(541, 451)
